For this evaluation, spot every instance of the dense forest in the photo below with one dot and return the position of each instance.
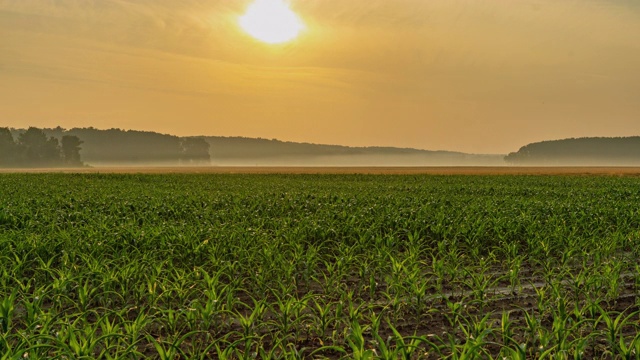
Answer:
(618, 151)
(129, 147)
(116, 146)
(33, 148)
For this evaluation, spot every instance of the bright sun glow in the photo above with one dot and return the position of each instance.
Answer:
(271, 21)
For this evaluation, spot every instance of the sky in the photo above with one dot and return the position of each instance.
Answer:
(481, 76)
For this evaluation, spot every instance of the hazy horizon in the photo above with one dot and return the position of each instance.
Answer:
(468, 76)
(121, 147)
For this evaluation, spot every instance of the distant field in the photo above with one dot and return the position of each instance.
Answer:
(337, 266)
(467, 170)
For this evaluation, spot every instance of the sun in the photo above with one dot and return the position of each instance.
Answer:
(271, 21)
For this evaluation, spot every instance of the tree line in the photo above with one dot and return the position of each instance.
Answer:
(33, 148)
(50, 147)
(579, 151)
(118, 146)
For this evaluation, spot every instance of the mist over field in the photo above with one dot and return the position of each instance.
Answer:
(367, 161)
(58, 147)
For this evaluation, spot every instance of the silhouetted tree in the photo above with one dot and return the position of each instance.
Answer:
(195, 150)
(71, 150)
(37, 150)
(122, 146)
(8, 148)
(51, 153)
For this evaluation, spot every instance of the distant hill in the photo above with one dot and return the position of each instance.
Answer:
(265, 152)
(593, 151)
(130, 147)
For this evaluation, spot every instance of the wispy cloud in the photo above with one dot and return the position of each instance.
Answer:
(458, 63)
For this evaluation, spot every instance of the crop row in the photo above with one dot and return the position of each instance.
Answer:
(318, 266)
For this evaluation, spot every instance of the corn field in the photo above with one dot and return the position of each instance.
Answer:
(188, 266)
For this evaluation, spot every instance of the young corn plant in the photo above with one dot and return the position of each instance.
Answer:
(455, 313)
(515, 264)
(289, 314)
(630, 350)
(321, 318)
(480, 283)
(406, 347)
(17, 347)
(439, 271)
(358, 344)
(82, 340)
(134, 328)
(477, 330)
(613, 328)
(170, 349)
(7, 310)
(512, 349)
(506, 328)
(251, 319)
(612, 277)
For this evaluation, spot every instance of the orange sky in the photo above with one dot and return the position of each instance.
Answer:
(482, 76)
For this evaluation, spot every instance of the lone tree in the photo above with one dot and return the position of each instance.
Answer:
(71, 150)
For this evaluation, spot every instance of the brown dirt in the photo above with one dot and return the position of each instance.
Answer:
(466, 170)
